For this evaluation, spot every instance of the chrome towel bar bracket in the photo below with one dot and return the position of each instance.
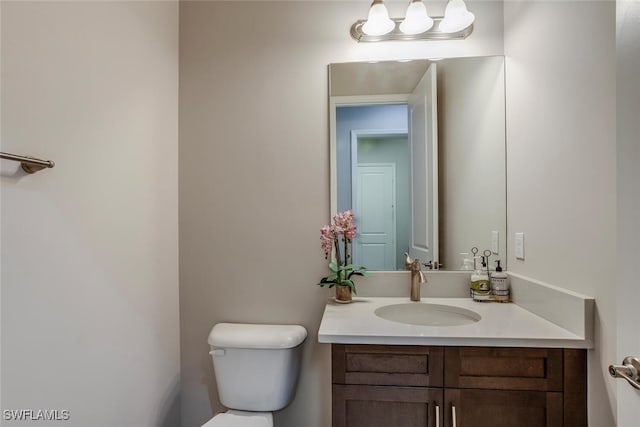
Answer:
(29, 164)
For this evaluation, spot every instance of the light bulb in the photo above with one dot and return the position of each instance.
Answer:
(378, 22)
(456, 17)
(416, 20)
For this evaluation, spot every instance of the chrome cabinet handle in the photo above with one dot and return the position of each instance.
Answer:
(437, 416)
(629, 370)
(454, 423)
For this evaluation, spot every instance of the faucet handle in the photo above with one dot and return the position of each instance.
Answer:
(407, 261)
(421, 277)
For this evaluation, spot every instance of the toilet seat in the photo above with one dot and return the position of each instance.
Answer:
(233, 418)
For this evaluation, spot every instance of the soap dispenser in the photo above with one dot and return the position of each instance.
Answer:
(480, 287)
(500, 289)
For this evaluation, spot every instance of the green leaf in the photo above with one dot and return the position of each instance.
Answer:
(329, 285)
(327, 281)
(333, 266)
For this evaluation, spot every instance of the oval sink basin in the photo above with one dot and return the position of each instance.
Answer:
(427, 314)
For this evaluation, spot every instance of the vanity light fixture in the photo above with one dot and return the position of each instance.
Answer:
(457, 23)
(416, 20)
(456, 17)
(378, 22)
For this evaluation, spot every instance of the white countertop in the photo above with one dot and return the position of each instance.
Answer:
(502, 325)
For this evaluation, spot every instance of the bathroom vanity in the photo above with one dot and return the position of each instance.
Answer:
(434, 386)
(508, 367)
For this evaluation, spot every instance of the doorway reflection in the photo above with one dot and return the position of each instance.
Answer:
(373, 179)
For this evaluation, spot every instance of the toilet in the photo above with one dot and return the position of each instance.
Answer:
(257, 369)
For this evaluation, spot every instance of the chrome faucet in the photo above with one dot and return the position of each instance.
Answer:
(417, 276)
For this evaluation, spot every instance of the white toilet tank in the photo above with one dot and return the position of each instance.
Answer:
(256, 366)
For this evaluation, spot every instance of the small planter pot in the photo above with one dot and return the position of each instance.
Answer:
(343, 294)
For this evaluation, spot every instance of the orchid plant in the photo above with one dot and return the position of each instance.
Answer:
(342, 230)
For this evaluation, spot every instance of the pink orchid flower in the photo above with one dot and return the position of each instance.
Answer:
(342, 224)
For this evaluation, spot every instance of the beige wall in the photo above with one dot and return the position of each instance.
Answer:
(561, 160)
(254, 173)
(89, 248)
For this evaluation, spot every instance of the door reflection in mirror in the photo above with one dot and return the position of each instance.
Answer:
(373, 180)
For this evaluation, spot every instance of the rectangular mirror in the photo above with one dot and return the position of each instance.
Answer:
(418, 152)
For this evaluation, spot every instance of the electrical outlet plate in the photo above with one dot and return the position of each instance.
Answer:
(519, 246)
(495, 242)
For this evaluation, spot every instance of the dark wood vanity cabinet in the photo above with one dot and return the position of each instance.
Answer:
(406, 386)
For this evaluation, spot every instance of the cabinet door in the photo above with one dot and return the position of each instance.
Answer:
(375, 406)
(498, 408)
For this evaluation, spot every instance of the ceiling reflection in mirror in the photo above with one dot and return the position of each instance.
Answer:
(418, 153)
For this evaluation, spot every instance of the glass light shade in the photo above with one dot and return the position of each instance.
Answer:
(417, 20)
(456, 17)
(378, 22)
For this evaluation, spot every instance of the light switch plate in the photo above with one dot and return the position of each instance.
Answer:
(495, 242)
(519, 246)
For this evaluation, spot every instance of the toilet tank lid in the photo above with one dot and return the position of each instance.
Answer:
(243, 335)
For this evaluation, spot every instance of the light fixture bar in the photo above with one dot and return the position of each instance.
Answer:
(433, 34)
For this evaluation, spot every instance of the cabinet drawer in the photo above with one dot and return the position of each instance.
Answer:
(387, 365)
(375, 406)
(535, 369)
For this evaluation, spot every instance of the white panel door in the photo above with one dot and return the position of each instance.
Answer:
(375, 245)
(423, 141)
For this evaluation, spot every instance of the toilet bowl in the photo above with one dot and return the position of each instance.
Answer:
(233, 418)
(257, 369)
